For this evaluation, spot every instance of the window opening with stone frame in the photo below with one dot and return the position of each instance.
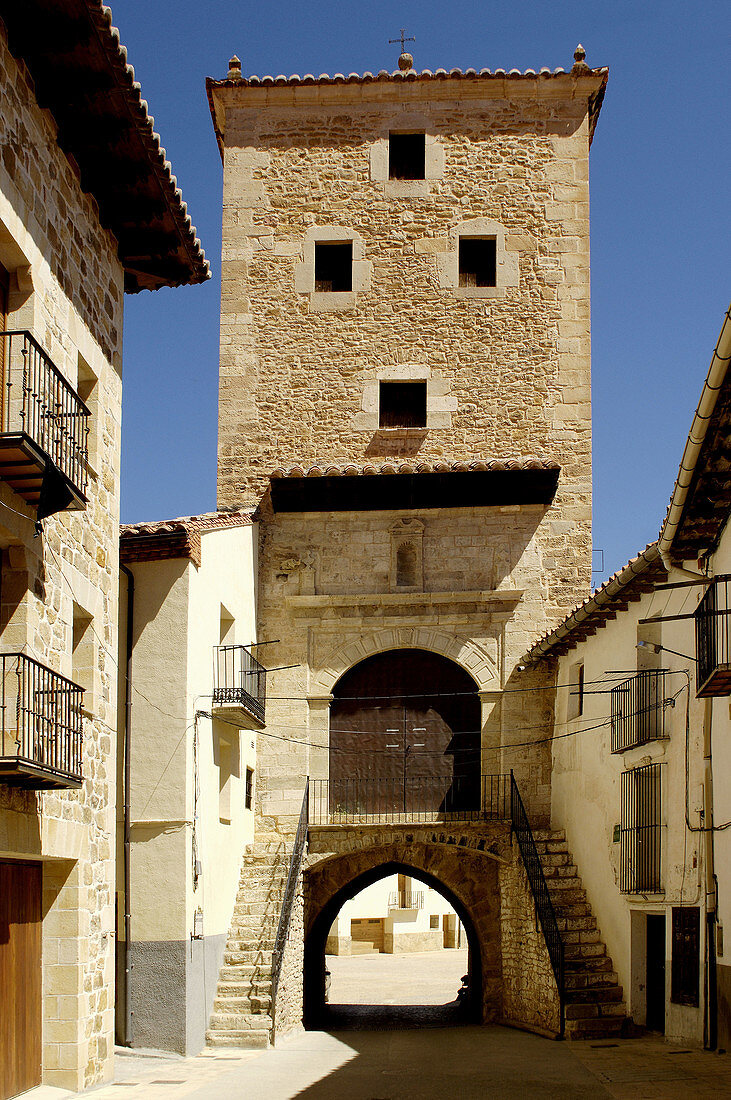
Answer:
(406, 156)
(249, 794)
(477, 261)
(333, 266)
(402, 405)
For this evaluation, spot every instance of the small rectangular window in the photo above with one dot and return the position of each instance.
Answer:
(406, 156)
(477, 261)
(402, 405)
(433, 920)
(333, 266)
(249, 798)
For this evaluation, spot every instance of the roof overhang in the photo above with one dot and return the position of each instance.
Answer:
(81, 75)
(391, 488)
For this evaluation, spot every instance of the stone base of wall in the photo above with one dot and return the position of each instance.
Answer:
(401, 943)
(339, 945)
(530, 994)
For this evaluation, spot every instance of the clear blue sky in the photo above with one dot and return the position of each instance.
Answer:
(659, 195)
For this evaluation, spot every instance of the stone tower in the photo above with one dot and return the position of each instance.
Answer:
(405, 379)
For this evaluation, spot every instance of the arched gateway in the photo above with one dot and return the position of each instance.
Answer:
(466, 875)
(404, 736)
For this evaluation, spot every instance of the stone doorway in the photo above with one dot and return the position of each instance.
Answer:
(404, 737)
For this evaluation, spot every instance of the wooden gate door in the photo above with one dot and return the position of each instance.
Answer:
(405, 737)
(20, 978)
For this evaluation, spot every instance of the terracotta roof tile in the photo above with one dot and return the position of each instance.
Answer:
(435, 466)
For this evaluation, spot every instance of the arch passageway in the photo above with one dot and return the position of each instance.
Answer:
(466, 878)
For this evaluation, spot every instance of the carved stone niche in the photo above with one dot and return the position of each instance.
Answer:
(406, 573)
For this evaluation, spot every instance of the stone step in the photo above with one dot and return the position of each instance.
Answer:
(594, 950)
(576, 924)
(589, 965)
(594, 1028)
(600, 995)
(553, 845)
(594, 1011)
(239, 1021)
(251, 944)
(244, 988)
(246, 972)
(569, 909)
(590, 980)
(574, 936)
(260, 958)
(562, 870)
(247, 1040)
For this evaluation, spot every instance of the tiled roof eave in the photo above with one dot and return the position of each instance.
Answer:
(591, 610)
(595, 81)
(386, 469)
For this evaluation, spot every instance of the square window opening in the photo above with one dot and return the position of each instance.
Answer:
(402, 405)
(333, 266)
(433, 920)
(406, 156)
(477, 261)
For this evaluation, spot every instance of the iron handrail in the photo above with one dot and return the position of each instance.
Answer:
(520, 827)
(285, 916)
(399, 800)
(406, 899)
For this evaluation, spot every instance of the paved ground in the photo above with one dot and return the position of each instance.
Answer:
(384, 991)
(433, 1064)
(387, 1062)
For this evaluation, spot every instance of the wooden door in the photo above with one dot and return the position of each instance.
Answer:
(405, 737)
(20, 978)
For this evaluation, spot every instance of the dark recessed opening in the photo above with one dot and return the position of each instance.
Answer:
(334, 265)
(406, 156)
(477, 261)
(402, 405)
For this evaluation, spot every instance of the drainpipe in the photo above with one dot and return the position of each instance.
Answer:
(714, 380)
(711, 1007)
(127, 808)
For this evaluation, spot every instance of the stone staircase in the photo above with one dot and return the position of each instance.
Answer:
(594, 999)
(242, 1008)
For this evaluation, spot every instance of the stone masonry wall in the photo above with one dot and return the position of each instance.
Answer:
(288, 1014)
(530, 995)
(513, 370)
(67, 289)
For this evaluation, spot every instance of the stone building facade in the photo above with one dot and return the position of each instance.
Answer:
(405, 401)
(69, 249)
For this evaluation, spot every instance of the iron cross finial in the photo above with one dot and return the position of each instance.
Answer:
(402, 40)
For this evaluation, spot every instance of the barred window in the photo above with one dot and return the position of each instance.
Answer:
(640, 830)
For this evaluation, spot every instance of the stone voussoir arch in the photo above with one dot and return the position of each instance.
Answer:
(465, 870)
(465, 652)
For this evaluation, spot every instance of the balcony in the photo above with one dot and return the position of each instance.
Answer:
(713, 639)
(40, 726)
(239, 687)
(406, 899)
(638, 710)
(43, 428)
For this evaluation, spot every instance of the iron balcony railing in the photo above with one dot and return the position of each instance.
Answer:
(406, 899)
(638, 710)
(713, 639)
(238, 680)
(520, 828)
(417, 798)
(641, 830)
(290, 891)
(39, 403)
(40, 724)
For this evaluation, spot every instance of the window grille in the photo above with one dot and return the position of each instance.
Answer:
(640, 830)
(713, 639)
(638, 710)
